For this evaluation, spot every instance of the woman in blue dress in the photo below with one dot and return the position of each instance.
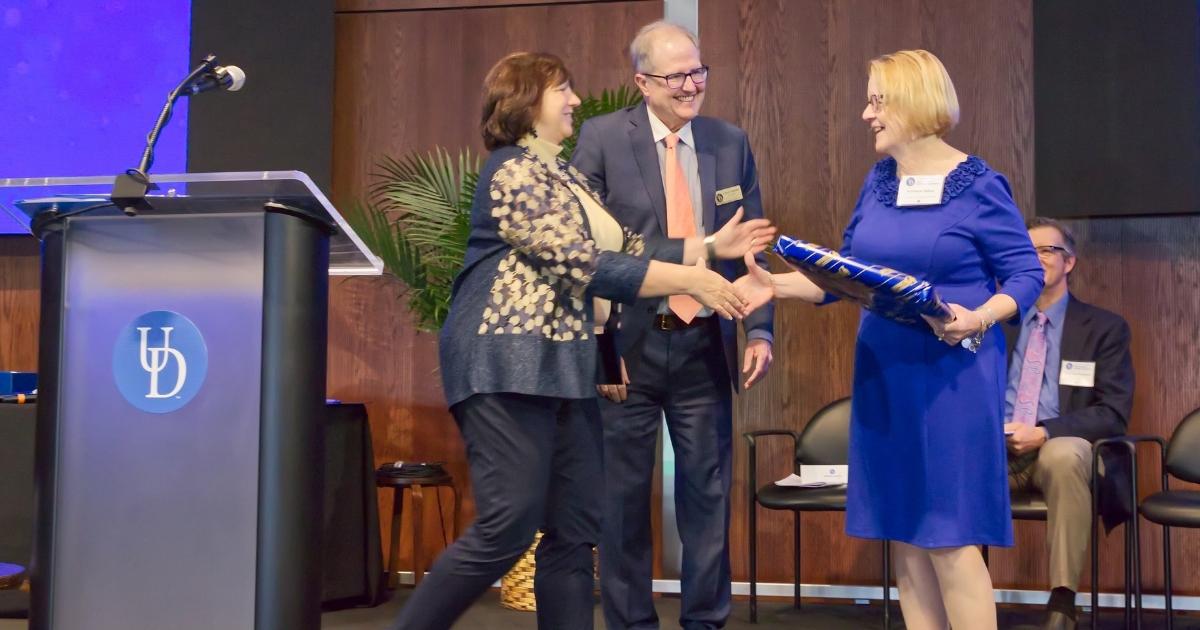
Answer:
(927, 454)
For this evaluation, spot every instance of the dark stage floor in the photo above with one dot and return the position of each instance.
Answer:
(487, 614)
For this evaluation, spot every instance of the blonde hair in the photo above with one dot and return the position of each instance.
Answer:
(917, 90)
(640, 47)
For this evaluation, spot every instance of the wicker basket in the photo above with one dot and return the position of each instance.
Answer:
(516, 587)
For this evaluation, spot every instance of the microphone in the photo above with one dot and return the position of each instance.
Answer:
(130, 188)
(230, 78)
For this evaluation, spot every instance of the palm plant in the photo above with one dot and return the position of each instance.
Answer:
(418, 210)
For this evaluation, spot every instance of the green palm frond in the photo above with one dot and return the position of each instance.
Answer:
(417, 220)
(591, 106)
(418, 214)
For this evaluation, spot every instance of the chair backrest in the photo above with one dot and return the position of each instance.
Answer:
(826, 437)
(1183, 451)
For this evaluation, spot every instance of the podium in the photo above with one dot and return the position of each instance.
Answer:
(182, 380)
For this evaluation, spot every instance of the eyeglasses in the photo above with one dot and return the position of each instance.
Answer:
(676, 80)
(876, 102)
(1047, 251)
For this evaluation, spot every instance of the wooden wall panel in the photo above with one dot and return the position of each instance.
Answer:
(359, 6)
(792, 73)
(410, 80)
(20, 280)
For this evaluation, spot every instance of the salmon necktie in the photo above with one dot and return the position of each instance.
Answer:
(681, 221)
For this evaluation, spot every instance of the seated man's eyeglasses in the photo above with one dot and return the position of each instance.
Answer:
(1049, 250)
(676, 79)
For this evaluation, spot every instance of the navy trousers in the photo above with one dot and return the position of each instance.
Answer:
(681, 374)
(535, 463)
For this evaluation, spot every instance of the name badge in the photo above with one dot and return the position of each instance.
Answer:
(729, 195)
(920, 190)
(1078, 373)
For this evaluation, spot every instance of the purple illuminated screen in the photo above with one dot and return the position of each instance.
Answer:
(82, 82)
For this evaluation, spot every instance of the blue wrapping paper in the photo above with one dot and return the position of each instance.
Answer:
(893, 294)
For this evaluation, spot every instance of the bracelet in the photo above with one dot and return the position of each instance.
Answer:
(984, 324)
(710, 248)
(990, 320)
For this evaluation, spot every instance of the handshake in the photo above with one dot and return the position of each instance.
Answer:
(736, 239)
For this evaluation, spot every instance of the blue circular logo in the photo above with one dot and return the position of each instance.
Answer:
(910, 181)
(160, 361)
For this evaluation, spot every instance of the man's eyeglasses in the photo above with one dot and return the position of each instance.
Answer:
(876, 101)
(1046, 251)
(676, 80)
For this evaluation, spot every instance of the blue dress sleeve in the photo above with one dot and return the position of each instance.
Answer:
(1004, 244)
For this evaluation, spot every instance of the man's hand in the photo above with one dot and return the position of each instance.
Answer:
(1024, 438)
(757, 361)
(616, 393)
(738, 237)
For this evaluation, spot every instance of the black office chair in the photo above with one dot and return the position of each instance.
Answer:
(824, 440)
(1180, 458)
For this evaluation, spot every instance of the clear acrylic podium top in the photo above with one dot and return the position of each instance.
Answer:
(194, 193)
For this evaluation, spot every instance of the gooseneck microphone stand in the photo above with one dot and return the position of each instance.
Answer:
(130, 188)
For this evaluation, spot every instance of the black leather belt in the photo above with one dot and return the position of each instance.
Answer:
(670, 321)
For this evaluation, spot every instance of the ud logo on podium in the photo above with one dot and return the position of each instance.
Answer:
(160, 361)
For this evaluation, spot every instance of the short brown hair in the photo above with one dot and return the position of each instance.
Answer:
(1067, 237)
(512, 93)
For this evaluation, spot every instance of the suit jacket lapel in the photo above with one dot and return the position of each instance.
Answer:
(646, 154)
(1075, 333)
(707, 161)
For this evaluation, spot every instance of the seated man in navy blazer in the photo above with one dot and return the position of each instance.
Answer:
(664, 170)
(1070, 383)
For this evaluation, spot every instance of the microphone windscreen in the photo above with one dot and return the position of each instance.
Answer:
(237, 77)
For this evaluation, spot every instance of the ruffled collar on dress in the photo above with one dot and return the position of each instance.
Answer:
(958, 180)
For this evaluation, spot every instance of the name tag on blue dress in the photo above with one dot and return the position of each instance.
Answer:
(920, 190)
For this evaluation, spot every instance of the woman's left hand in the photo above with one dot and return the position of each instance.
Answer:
(965, 324)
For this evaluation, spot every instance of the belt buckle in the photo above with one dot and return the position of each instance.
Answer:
(666, 322)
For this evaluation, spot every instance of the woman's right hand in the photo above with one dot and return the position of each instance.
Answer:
(757, 286)
(714, 291)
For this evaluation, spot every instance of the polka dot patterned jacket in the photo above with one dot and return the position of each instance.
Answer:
(521, 312)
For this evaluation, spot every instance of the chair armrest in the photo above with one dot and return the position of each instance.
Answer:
(752, 451)
(751, 435)
(1130, 442)
(1133, 439)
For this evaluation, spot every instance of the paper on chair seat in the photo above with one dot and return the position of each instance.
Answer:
(817, 476)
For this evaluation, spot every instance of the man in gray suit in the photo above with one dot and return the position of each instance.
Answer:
(664, 170)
